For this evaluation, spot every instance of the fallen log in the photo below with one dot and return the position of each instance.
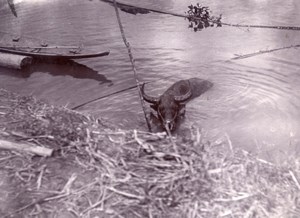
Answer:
(14, 61)
(41, 151)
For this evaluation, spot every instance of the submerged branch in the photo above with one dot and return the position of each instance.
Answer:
(263, 52)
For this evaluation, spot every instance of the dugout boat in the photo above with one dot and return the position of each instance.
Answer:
(18, 57)
(54, 52)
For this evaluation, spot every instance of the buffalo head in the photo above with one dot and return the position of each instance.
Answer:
(171, 104)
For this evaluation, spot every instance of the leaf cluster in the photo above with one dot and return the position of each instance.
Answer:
(200, 17)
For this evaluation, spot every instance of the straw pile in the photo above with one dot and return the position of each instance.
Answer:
(100, 171)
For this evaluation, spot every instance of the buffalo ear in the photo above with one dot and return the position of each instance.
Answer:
(154, 107)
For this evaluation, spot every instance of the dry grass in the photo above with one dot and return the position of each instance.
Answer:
(99, 171)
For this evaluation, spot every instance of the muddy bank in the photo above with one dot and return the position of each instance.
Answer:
(97, 170)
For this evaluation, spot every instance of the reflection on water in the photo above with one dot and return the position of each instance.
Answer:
(255, 101)
(69, 68)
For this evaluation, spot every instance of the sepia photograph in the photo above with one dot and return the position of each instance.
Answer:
(149, 109)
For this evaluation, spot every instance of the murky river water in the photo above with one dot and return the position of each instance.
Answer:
(255, 101)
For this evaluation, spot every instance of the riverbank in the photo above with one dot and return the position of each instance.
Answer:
(97, 170)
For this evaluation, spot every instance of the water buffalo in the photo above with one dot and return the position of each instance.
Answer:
(170, 106)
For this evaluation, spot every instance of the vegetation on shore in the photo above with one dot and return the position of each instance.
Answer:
(100, 171)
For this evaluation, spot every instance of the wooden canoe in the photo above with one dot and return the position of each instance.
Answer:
(55, 55)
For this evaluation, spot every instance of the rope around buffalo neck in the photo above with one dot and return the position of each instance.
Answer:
(132, 63)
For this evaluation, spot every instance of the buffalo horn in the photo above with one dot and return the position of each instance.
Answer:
(150, 99)
(184, 97)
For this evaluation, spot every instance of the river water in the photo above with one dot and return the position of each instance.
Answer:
(255, 101)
